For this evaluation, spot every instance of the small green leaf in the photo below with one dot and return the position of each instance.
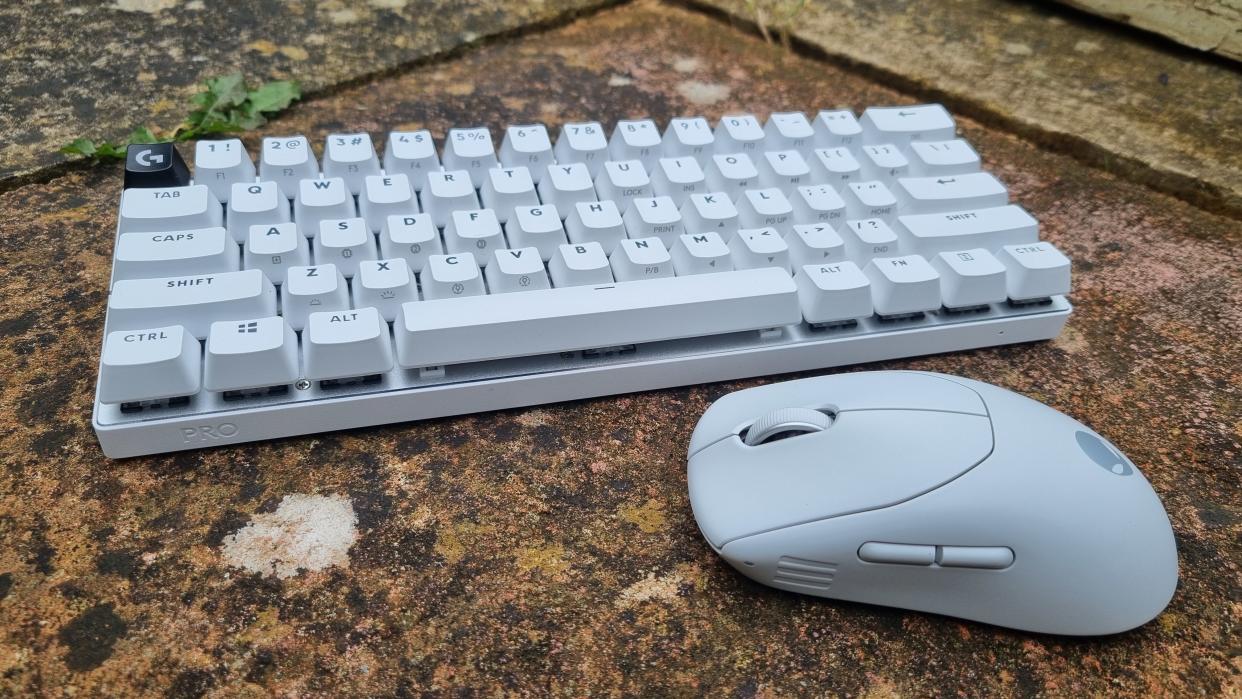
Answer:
(274, 96)
(142, 134)
(79, 146)
(111, 150)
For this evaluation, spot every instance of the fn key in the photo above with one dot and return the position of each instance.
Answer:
(154, 165)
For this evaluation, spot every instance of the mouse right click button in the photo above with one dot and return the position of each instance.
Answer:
(989, 557)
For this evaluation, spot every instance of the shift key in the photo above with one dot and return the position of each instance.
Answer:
(191, 301)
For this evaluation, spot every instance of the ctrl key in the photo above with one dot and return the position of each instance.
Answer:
(149, 365)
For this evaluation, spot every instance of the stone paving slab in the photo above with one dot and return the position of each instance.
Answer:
(97, 69)
(1214, 26)
(1158, 115)
(552, 551)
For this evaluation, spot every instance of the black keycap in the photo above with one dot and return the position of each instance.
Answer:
(154, 165)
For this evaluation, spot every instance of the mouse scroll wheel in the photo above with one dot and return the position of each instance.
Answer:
(785, 422)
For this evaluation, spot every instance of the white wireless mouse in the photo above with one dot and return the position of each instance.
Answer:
(935, 493)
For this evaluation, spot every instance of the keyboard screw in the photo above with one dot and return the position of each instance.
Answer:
(302, 384)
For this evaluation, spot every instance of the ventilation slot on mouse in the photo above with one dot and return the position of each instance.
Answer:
(800, 572)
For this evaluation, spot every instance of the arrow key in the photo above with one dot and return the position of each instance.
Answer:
(700, 253)
(814, 244)
(759, 247)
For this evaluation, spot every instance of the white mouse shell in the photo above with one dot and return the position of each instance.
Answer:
(1092, 548)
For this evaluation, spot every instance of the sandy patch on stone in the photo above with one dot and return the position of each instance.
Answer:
(651, 588)
(306, 533)
(697, 92)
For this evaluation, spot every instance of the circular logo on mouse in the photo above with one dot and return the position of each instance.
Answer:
(1103, 453)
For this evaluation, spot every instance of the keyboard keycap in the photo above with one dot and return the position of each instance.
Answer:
(655, 216)
(584, 143)
(759, 247)
(158, 209)
(583, 317)
(688, 137)
(783, 169)
(536, 227)
(527, 146)
(447, 192)
(566, 184)
(507, 187)
(384, 285)
(519, 269)
(411, 153)
(925, 195)
(311, 289)
(344, 243)
(884, 161)
(255, 204)
(731, 173)
(637, 139)
(758, 208)
(933, 158)
(623, 180)
(869, 199)
(386, 195)
(901, 125)
(818, 203)
(834, 166)
(341, 344)
(836, 127)
(928, 234)
(787, 130)
(596, 221)
(1035, 271)
(739, 133)
(350, 156)
(710, 212)
(274, 249)
(470, 150)
(452, 276)
(221, 164)
(814, 244)
(701, 253)
(833, 292)
(969, 278)
(476, 232)
(321, 200)
(149, 364)
(868, 238)
(286, 160)
(255, 353)
(174, 253)
(194, 302)
(155, 165)
(412, 238)
(641, 258)
(901, 285)
(678, 178)
(577, 264)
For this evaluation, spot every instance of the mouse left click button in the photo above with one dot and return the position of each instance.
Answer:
(903, 554)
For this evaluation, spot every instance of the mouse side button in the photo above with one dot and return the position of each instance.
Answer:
(988, 557)
(904, 554)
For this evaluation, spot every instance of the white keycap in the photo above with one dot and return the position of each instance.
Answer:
(451, 276)
(582, 317)
(900, 125)
(596, 221)
(149, 364)
(527, 146)
(577, 264)
(470, 150)
(901, 285)
(1034, 271)
(969, 278)
(253, 204)
(818, 203)
(622, 180)
(275, 248)
(474, 231)
(654, 216)
(344, 243)
(731, 173)
(310, 289)
(758, 208)
(926, 195)
(583, 142)
(446, 192)
(739, 133)
(783, 169)
(340, 344)
(787, 130)
(412, 238)
(759, 247)
(836, 127)
(713, 211)
(321, 200)
(678, 178)
(194, 302)
(868, 238)
(286, 160)
(386, 195)
(507, 187)
(155, 209)
(411, 153)
(536, 227)
(637, 139)
(641, 258)
(814, 244)
(350, 156)
(884, 161)
(701, 253)
(566, 184)
(518, 269)
(384, 285)
(833, 292)
(220, 164)
(834, 166)
(174, 253)
(254, 353)
(688, 136)
(869, 199)
(932, 158)
(928, 234)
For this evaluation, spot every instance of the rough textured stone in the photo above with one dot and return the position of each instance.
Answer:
(552, 551)
(97, 69)
(1156, 115)
(1207, 25)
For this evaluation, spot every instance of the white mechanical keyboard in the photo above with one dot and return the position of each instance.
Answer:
(308, 294)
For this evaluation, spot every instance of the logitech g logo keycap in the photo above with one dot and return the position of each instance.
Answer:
(1100, 452)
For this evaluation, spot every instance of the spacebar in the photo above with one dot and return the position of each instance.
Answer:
(523, 323)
